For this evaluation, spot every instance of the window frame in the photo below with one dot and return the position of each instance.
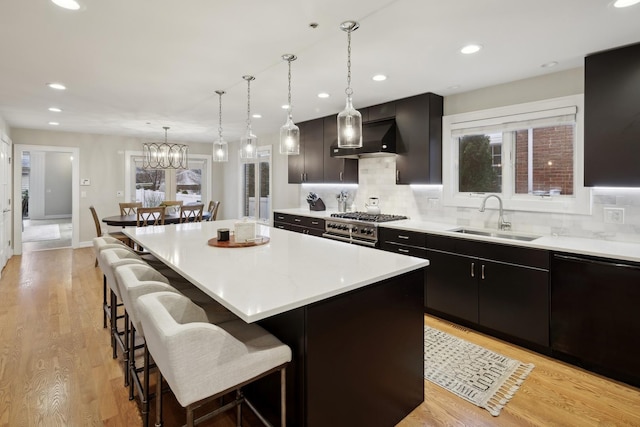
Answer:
(578, 203)
(170, 176)
(241, 162)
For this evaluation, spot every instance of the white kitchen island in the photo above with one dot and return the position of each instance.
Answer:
(352, 315)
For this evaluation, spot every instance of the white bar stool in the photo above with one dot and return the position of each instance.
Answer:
(201, 361)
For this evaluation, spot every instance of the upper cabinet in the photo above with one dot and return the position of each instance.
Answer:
(418, 122)
(308, 166)
(337, 170)
(419, 142)
(612, 118)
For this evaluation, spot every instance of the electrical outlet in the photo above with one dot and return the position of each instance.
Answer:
(614, 215)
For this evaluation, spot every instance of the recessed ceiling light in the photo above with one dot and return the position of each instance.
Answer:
(55, 109)
(257, 116)
(323, 95)
(454, 87)
(550, 64)
(471, 48)
(625, 3)
(56, 86)
(54, 123)
(67, 4)
(285, 106)
(379, 77)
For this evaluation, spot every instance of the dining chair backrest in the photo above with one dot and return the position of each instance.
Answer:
(172, 203)
(129, 208)
(96, 221)
(213, 209)
(150, 216)
(191, 213)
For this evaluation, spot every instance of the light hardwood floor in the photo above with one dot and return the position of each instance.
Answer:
(56, 367)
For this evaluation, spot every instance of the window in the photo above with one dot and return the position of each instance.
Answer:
(529, 154)
(255, 186)
(153, 186)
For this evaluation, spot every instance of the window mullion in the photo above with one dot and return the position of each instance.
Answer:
(508, 172)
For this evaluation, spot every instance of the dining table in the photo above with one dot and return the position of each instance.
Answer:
(132, 220)
(353, 316)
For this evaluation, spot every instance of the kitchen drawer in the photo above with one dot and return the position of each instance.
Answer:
(404, 249)
(408, 238)
(508, 254)
(300, 220)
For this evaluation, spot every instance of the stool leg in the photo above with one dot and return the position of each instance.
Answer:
(159, 402)
(132, 362)
(125, 353)
(239, 409)
(104, 301)
(114, 323)
(283, 397)
(145, 389)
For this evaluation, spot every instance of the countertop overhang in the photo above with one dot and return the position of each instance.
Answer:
(291, 271)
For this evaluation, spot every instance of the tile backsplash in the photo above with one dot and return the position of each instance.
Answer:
(377, 179)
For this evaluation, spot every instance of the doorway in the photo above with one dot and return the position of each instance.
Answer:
(47, 182)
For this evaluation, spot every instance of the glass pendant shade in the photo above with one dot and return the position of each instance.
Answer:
(289, 138)
(349, 127)
(249, 146)
(220, 150)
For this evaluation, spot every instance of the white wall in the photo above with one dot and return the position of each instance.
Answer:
(102, 161)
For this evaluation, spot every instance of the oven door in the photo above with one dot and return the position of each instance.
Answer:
(354, 240)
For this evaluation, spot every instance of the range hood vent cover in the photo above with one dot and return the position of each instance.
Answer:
(378, 139)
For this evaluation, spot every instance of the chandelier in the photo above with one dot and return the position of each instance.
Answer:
(289, 132)
(349, 119)
(220, 146)
(164, 155)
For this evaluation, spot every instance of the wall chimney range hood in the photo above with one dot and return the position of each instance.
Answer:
(378, 139)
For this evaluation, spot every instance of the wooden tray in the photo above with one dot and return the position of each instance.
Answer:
(231, 243)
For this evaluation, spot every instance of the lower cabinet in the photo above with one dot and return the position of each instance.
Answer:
(498, 287)
(594, 315)
(299, 224)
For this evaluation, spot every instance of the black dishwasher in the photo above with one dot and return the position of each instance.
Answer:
(595, 315)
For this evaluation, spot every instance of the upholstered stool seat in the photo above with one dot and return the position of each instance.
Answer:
(202, 361)
(99, 244)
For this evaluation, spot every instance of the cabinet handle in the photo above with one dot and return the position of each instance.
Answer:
(280, 226)
(482, 274)
(340, 176)
(315, 222)
(280, 217)
(400, 236)
(302, 177)
(473, 267)
(297, 219)
(404, 251)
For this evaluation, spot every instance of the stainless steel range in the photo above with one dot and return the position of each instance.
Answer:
(360, 228)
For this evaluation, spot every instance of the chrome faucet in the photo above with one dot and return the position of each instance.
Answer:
(502, 224)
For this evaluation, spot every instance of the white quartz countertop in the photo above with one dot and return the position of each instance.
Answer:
(624, 251)
(290, 271)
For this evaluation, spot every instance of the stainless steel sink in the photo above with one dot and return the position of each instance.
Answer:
(498, 234)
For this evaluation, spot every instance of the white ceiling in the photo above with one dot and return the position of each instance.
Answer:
(132, 67)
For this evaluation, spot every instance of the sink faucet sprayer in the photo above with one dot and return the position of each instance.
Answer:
(502, 224)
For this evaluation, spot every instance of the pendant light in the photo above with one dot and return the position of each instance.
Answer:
(249, 142)
(164, 155)
(349, 119)
(220, 146)
(289, 132)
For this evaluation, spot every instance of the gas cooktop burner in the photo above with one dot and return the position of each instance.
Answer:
(364, 216)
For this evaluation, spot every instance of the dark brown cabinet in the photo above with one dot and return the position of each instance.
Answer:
(419, 139)
(299, 223)
(337, 170)
(379, 112)
(403, 242)
(612, 118)
(308, 166)
(502, 288)
(594, 315)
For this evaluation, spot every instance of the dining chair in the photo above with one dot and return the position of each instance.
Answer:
(150, 216)
(213, 209)
(166, 203)
(201, 361)
(191, 213)
(117, 235)
(129, 208)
